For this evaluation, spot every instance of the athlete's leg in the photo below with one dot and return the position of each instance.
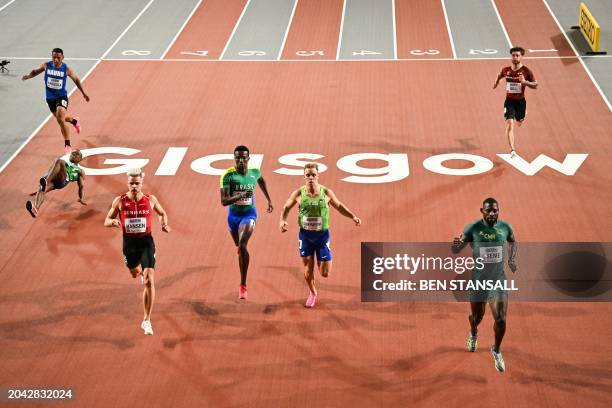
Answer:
(325, 268)
(60, 115)
(136, 271)
(244, 233)
(148, 294)
(510, 132)
(308, 262)
(478, 311)
(57, 171)
(499, 307)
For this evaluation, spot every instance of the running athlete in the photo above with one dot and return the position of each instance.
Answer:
(132, 213)
(237, 188)
(313, 200)
(517, 78)
(60, 174)
(56, 72)
(487, 237)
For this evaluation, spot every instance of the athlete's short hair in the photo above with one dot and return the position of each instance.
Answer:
(489, 200)
(58, 50)
(135, 172)
(311, 166)
(241, 148)
(517, 49)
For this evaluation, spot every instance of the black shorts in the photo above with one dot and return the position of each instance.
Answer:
(139, 251)
(515, 109)
(54, 103)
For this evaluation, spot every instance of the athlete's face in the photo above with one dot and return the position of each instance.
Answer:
(490, 212)
(312, 176)
(516, 57)
(135, 184)
(57, 58)
(242, 160)
(76, 156)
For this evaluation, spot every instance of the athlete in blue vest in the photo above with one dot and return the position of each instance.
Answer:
(56, 73)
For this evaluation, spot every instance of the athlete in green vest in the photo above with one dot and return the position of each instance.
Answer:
(237, 187)
(60, 173)
(314, 200)
(488, 237)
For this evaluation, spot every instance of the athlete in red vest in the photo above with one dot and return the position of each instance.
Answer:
(132, 213)
(518, 77)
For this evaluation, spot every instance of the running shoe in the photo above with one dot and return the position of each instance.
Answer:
(146, 326)
(31, 209)
(67, 149)
(512, 154)
(312, 299)
(242, 292)
(472, 342)
(77, 125)
(499, 361)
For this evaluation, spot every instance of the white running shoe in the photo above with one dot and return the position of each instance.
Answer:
(512, 154)
(499, 361)
(146, 326)
(472, 342)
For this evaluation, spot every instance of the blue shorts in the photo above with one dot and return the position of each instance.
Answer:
(235, 219)
(315, 242)
(57, 184)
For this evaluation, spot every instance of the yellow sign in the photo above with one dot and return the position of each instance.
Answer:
(589, 27)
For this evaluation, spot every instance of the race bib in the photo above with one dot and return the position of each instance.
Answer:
(135, 225)
(514, 87)
(491, 254)
(312, 223)
(55, 83)
(244, 201)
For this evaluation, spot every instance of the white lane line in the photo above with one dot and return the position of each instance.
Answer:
(35, 132)
(394, 31)
(501, 23)
(280, 53)
(603, 96)
(7, 4)
(341, 28)
(450, 34)
(246, 6)
(180, 30)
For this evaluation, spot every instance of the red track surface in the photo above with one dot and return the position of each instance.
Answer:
(71, 312)
(420, 27)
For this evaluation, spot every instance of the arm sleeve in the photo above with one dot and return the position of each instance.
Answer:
(224, 181)
(467, 232)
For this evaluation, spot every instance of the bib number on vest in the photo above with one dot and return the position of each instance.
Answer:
(312, 223)
(55, 83)
(513, 87)
(135, 225)
(491, 254)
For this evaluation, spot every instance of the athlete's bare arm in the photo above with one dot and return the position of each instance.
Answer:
(513, 251)
(81, 184)
(161, 213)
(528, 84)
(289, 204)
(77, 82)
(499, 77)
(34, 72)
(227, 199)
(111, 218)
(343, 209)
(264, 189)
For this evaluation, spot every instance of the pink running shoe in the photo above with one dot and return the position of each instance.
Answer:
(312, 299)
(77, 125)
(242, 292)
(67, 149)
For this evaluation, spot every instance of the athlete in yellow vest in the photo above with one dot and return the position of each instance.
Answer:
(313, 218)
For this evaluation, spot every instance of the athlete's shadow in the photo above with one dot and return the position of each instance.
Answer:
(85, 298)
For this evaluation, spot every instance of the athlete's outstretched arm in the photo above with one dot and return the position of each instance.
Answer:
(289, 204)
(343, 209)
(111, 218)
(513, 251)
(77, 82)
(34, 72)
(81, 184)
(264, 188)
(161, 213)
